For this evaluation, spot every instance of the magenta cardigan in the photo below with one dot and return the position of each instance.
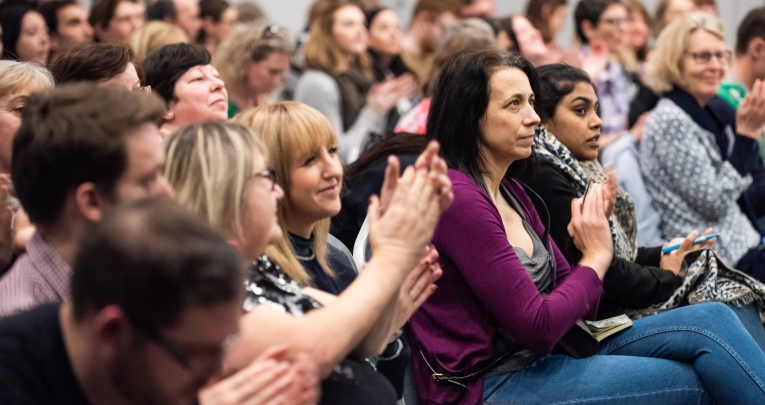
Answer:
(484, 286)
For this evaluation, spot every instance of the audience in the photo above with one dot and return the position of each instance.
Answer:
(429, 18)
(153, 35)
(569, 177)
(218, 19)
(115, 20)
(182, 75)
(694, 135)
(68, 26)
(189, 19)
(105, 64)
(215, 168)
(155, 300)
(25, 34)
(78, 152)
(339, 83)
(253, 61)
(487, 331)
(549, 17)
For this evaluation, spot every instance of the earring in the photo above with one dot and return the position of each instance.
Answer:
(169, 115)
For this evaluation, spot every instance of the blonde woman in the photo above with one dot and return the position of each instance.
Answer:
(154, 35)
(252, 62)
(698, 156)
(220, 172)
(338, 79)
(304, 157)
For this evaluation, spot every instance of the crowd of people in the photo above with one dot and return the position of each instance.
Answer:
(203, 207)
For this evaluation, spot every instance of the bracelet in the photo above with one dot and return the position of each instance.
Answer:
(398, 348)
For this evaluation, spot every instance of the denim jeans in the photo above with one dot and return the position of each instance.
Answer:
(699, 354)
(750, 318)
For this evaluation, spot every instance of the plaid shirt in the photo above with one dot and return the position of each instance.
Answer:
(39, 276)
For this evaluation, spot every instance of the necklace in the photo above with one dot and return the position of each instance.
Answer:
(306, 258)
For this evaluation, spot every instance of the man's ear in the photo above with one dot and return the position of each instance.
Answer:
(111, 327)
(90, 201)
(208, 24)
(756, 48)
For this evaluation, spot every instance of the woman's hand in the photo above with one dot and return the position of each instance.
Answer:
(610, 188)
(421, 194)
(590, 230)
(417, 287)
(750, 115)
(384, 95)
(673, 261)
(268, 380)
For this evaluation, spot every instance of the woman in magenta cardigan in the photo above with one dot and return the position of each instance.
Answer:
(504, 302)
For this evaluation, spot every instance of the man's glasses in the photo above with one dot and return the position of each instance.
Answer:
(702, 58)
(205, 365)
(268, 174)
(616, 22)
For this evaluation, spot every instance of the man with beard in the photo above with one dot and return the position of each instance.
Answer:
(156, 297)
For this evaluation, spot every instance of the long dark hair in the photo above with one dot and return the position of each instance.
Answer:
(393, 144)
(555, 82)
(460, 101)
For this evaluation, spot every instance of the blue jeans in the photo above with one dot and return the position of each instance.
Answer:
(699, 354)
(750, 318)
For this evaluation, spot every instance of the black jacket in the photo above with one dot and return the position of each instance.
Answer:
(633, 285)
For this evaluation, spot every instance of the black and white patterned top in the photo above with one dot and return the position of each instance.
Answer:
(268, 284)
(692, 186)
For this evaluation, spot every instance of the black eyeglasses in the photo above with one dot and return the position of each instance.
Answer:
(205, 365)
(268, 174)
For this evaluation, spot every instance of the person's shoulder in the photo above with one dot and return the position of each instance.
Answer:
(17, 287)
(29, 324)
(316, 78)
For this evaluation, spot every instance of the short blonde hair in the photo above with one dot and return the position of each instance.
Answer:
(16, 77)
(321, 51)
(289, 130)
(664, 67)
(209, 166)
(248, 43)
(154, 35)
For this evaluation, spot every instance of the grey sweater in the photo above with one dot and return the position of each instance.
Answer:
(320, 91)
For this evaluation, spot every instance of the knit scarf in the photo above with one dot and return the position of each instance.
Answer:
(623, 222)
(354, 86)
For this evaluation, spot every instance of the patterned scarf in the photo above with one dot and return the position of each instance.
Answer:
(623, 221)
(707, 279)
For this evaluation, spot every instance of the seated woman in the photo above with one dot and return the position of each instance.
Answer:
(567, 147)
(304, 155)
(508, 295)
(182, 75)
(253, 62)
(338, 79)
(17, 81)
(220, 173)
(699, 157)
(105, 63)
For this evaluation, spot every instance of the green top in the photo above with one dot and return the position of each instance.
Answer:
(233, 109)
(733, 93)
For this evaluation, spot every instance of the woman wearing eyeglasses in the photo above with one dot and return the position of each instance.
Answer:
(219, 172)
(699, 157)
(253, 61)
